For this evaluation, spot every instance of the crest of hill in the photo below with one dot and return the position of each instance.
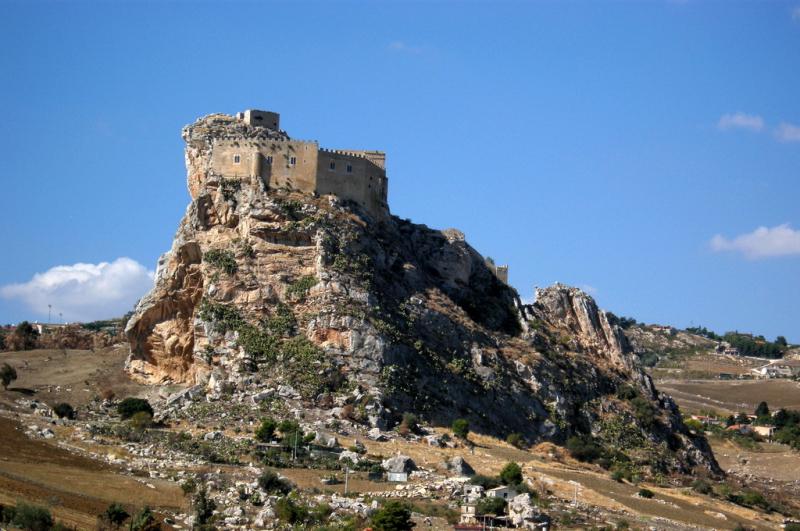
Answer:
(356, 314)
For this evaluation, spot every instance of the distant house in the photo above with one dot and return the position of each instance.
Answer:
(744, 429)
(765, 431)
(503, 491)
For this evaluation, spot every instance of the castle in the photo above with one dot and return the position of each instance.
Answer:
(280, 162)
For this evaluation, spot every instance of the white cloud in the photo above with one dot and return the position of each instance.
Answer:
(740, 120)
(763, 242)
(787, 132)
(84, 292)
(404, 47)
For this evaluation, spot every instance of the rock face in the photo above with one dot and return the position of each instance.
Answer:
(275, 294)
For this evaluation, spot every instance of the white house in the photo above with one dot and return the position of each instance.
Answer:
(503, 491)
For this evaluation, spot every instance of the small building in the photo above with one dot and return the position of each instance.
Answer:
(765, 431)
(504, 491)
(398, 477)
(469, 516)
(743, 429)
(472, 492)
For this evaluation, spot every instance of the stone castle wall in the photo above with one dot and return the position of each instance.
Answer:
(358, 176)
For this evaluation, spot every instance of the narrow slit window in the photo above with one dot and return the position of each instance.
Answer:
(333, 165)
(237, 159)
(349, 168)
(292, 161)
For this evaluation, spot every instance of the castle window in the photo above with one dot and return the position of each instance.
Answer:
(237, 159)
(349, 168)
(292, 161)
(269, 159)
(333, 165)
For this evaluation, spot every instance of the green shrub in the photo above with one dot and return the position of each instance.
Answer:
(584, 448)
(32, 517)
(115, 514)
(144, 520)
(282, 323)
(130, 406)
(626, 392)
(271, 483)
(644, 411)
(516, 440)
(222, 259)
(266, 431)
(299, 288)
(493, 505)
(64, 411)
(461, 428)
(646, 493)
(393, 516)
(290, 512)
(702, 486)
(409, 424)
(511, 474)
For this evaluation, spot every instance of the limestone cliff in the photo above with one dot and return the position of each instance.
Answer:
(367, 318)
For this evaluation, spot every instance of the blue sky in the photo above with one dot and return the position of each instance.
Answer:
(633, 149)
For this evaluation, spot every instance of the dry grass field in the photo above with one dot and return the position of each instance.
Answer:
(732, 396)
(75, 488)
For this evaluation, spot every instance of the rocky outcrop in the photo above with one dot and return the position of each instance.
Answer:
(274, 295)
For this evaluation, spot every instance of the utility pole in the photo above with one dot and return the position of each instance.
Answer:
(60, 318)
(49, 308)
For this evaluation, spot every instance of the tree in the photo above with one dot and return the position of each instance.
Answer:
(393, 516)
(492, 505)
(781, 341)
(762, 410)
(8, 374)
(24, 337)
(742, 418)
(130, 406)
(115, 514)
(461, 428)
(511, 474)
(204, 506)
(266, 431)
(64, 411)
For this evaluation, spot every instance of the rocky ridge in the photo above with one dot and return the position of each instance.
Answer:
(273, 296)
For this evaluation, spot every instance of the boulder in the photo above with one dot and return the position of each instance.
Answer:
(399, 463)
(458, 466)
(323, 439)
(375, 434)
(213, 436)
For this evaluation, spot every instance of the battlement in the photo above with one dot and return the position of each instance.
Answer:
(281, 162)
